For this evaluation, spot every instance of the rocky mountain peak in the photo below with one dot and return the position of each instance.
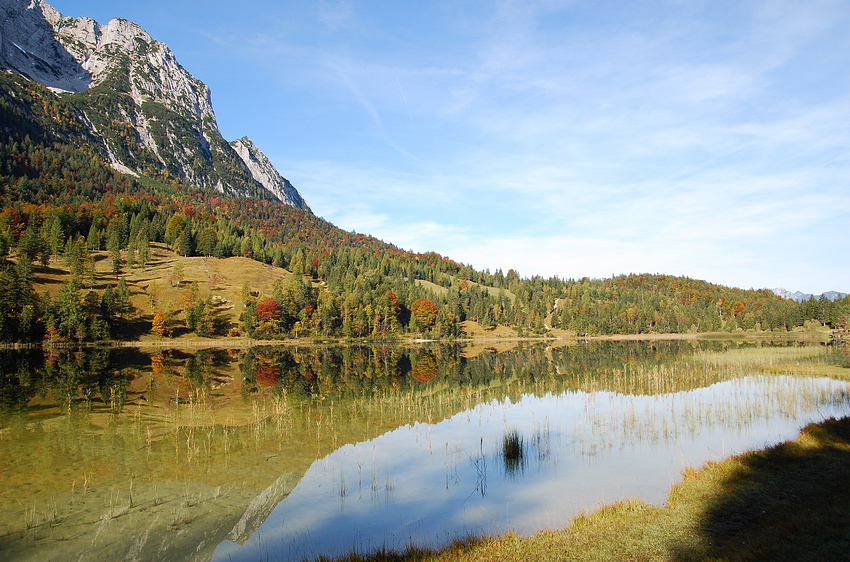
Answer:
(141, 85)
(800, 296)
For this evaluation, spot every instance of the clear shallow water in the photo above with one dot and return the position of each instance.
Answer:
(282, 453)
(429, 483)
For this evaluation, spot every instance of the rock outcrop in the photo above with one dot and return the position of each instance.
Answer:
(265, 173)
(29, 45)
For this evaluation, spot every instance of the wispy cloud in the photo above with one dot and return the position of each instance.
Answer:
(572, 138)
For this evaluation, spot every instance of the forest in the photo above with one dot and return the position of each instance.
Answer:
(60, 199)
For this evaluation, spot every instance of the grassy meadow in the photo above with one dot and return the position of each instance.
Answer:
(166, 280)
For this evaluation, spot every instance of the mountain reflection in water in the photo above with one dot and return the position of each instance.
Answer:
(284, 452)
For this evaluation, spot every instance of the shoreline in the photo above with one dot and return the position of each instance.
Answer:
(246, 343)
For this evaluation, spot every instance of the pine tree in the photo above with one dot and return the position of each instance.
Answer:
(185, 242)
(122, 298)
(117, 262)
(144, 249)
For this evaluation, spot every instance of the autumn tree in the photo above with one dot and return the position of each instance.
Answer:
(157, 363)
(175, 228)
(268, 310)
(425, 312)
(158, 324)
(425, 369)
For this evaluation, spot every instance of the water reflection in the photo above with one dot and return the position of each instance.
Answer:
(528, 465)
(281, 449)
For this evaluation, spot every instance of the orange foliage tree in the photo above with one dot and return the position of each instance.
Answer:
(425, 370)
(425, 311)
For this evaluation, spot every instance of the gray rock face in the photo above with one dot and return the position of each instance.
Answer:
(154, 72)
(29, 45)
(265, 173)
(170, 110)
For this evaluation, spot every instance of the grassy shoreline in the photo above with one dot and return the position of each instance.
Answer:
(785, 502)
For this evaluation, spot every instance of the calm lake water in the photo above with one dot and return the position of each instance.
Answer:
(278, 453)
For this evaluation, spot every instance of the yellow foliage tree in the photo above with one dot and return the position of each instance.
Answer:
(158, 324)
(157, 364)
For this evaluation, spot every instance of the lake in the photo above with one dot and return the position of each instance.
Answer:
(282, 453)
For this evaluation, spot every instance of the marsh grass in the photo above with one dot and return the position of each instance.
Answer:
(713, 513)
(513, 452)
(704, 368)
(736, 404)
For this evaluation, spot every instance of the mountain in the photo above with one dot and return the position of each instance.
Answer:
(800, 296)
(81, 102)
(148, 114)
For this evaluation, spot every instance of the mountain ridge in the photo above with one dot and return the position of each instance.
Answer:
(153, 117)
(800, 296)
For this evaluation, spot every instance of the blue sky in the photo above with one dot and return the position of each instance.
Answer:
(587, 138)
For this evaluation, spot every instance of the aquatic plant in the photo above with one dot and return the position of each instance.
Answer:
(513, 452)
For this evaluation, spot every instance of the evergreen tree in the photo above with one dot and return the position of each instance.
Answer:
(144, 249)
(122, 299)
(74, 255)
(57, 237)
(94, 240)
(117, 263)
(185, 245)
(207, 242)
(70, 319)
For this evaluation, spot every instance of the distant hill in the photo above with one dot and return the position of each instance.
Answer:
(800, 296)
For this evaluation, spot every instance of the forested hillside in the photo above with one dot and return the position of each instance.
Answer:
(61, 198)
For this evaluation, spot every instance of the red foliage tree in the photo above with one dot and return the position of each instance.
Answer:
(268, 375)
(267, 310)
